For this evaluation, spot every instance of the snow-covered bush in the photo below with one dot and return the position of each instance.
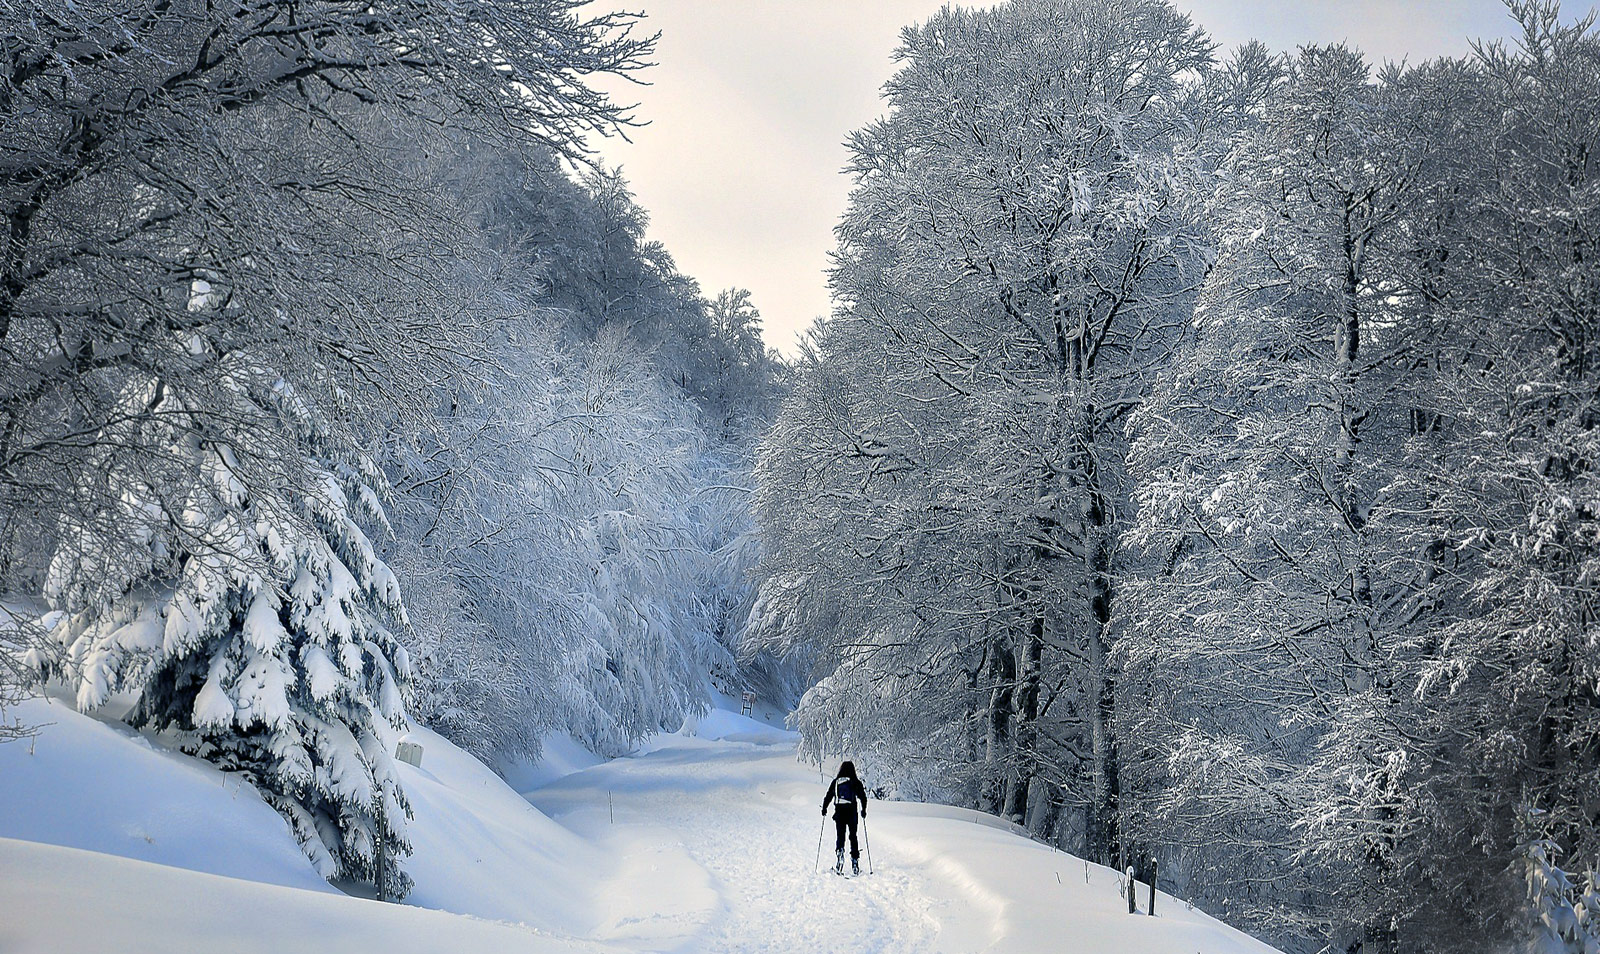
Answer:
(1566, 916)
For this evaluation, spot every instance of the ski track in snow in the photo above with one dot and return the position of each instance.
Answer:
(770, 891)
(717, 851)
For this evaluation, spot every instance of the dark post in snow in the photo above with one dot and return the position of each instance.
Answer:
(1153, 876)
(1133, 907)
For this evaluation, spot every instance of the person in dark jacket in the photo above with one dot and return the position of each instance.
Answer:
(845, 792)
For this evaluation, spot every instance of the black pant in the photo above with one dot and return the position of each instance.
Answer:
(844, 817)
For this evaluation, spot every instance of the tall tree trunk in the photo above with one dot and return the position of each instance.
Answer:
(1104, 834)
(1002, 672)
(1347, 350)
(1025, 726)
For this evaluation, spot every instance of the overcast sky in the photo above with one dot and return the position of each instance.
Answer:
(750, 102)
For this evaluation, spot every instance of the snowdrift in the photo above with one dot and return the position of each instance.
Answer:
(67, 900)
(477, 847)
(102, 786)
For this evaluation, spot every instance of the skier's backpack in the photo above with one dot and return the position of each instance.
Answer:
(844, 792)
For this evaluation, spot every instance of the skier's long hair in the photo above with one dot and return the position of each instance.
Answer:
(848, 770)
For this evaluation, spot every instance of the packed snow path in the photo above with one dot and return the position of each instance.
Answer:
(718, 849)
(714, 848)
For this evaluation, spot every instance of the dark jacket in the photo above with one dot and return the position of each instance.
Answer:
(853, 792)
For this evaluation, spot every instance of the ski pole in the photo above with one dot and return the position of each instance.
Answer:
(866, 838)
(817, 865)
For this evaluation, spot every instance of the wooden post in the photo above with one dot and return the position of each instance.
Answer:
(1133, 907)
(1153, 876)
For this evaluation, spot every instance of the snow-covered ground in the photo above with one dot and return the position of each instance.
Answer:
(704, 841)
(56, 900)
(718, 841)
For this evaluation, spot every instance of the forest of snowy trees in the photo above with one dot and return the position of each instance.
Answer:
(334, 388)
(1199, 465)
(1202, 459)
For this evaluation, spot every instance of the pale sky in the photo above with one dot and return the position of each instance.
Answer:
(751, 100)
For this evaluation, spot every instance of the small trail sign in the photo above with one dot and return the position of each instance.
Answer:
(748, 701)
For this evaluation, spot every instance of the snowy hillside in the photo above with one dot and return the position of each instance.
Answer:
(703, 841)
(67, 900)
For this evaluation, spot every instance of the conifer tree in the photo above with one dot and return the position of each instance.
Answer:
(252, 622)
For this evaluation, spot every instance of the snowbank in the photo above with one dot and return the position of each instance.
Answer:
(1035, 897)
(102, 786)
(559, 756)
(477, 847)
(763, 710)
(726, 726)
(66, 900)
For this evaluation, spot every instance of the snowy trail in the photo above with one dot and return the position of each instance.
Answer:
(703, 842)
(719, 841)
(711, 846)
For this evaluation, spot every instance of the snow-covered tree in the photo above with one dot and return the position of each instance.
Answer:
(1364, 484)
(576, 509)
(252, 624)
(219, 280)
(148, 145)
(1261, 456)
(939, 494)
(1503, 503)
(1345, 643)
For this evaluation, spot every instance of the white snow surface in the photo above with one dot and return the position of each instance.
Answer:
(102, 786)
(559, 756)
(705, 840)
(715, 842)
(59, 900)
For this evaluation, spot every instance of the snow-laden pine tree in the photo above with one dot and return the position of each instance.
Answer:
(250, 623)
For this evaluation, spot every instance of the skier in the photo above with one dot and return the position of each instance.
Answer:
(845, 792)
